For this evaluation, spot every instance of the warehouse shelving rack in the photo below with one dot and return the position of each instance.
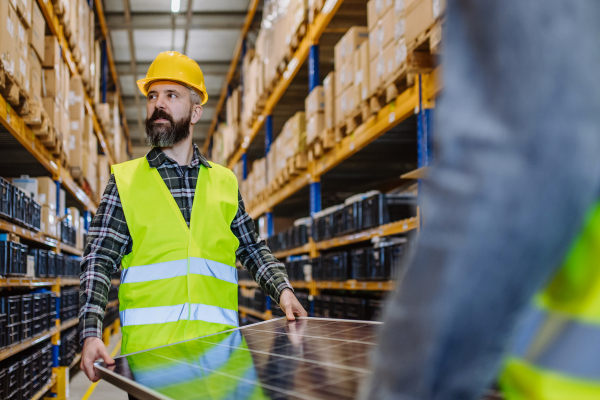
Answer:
(418, 100)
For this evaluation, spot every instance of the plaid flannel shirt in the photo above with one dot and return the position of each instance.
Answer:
(109, 240)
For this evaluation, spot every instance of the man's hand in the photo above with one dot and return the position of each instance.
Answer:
(93, 349)
(291, 306)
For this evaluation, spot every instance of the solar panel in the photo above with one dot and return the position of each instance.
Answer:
(310, 358)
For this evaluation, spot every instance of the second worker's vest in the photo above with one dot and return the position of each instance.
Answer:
(557, 352)
(178, 283)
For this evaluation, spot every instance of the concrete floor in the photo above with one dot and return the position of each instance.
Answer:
(104, 390)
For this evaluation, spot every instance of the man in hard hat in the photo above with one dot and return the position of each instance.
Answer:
(175, 223)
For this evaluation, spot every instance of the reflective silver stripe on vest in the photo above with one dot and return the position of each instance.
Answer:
(572, 347)
(224, 272)
(172, 269)
(154, 272)
(164, 314)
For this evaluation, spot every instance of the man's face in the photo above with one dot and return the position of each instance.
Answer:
(170, 114)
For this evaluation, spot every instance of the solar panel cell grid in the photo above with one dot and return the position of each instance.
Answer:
(308, 359)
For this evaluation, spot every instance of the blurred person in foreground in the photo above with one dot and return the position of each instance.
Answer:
(504, 286)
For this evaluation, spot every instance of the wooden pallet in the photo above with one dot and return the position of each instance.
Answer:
(297, 164)
(322, 144)
(356, 117)
(14, 94)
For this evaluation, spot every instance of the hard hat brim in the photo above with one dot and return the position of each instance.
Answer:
(144, 84)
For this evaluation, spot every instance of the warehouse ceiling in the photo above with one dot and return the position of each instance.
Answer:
(205, 30)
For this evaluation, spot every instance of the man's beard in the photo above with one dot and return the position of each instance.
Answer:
(166, 134)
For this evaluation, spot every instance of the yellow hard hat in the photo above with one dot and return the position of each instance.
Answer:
(176, 67)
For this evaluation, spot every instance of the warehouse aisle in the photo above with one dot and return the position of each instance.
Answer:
(104, 390)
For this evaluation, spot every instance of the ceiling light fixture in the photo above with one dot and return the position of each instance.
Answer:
(175, 4)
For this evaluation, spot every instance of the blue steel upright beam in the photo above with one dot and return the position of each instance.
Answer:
(424, 131)
(315, 197)
(314, 79)
(268, 142)
(245, 166)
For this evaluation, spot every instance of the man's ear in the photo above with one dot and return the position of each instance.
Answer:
(196, 113)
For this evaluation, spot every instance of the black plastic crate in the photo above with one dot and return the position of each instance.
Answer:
(13, 309)
(18, 204)
(374, 309)
(36, 371)
(27, 210)
(41, 262)
(352, 218)
(13, 375)
(6, 256)
(335, 266)
(6, 198)
(13, 333)
(45, 303)
(60, 265)
(51, 264)
(358, 264)
(26, 330)
(377, 268)
(26, 307)
(338, 223)
(325, 306)
(303, 299)
(15, 267)
(36, 217)
(395, 260)
(381, 209)
(301, 234)
(52, 312)
(356, 308)
(38, 325)
(2, 383)
(26, 378)
(23, 266)
(317, 268)
(37, 305)
(3, 323)
(339, 307)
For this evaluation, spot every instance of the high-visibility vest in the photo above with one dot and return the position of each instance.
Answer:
(557, 352)
(177, 283)
(216, 367)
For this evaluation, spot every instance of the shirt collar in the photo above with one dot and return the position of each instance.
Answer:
(156, 157)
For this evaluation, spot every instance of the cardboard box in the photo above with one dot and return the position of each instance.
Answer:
(376, 9)
(51, 52)
(103, 172)
(37, 31)
(48, 221)
(314, 126)
(344, 49)
(24, 10)
(361, 71)
(329, 89)
(76, 97)
(344, 74)
(52, 82)
(382, 34)
(46, 192)
(35, 78)
(103, 111)
(8, 33)
(28, 185)
(420, 15)
(346, 103)
(315, 102)
(53, 110)
(22, 70)
(65, 82)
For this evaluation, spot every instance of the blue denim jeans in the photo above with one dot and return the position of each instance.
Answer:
(517, 168)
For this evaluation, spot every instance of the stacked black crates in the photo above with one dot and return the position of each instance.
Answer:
(25, 374)
(13, 258)
(69, 304)
(347, 307)
(296, 236)
(25, 316)
(49, 264)
(68, 346)
(19, 207)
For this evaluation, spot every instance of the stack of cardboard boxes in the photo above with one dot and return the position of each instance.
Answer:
(46, 196)
(254, 184)
(315, 114)
(347, 98)
(55, 90)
